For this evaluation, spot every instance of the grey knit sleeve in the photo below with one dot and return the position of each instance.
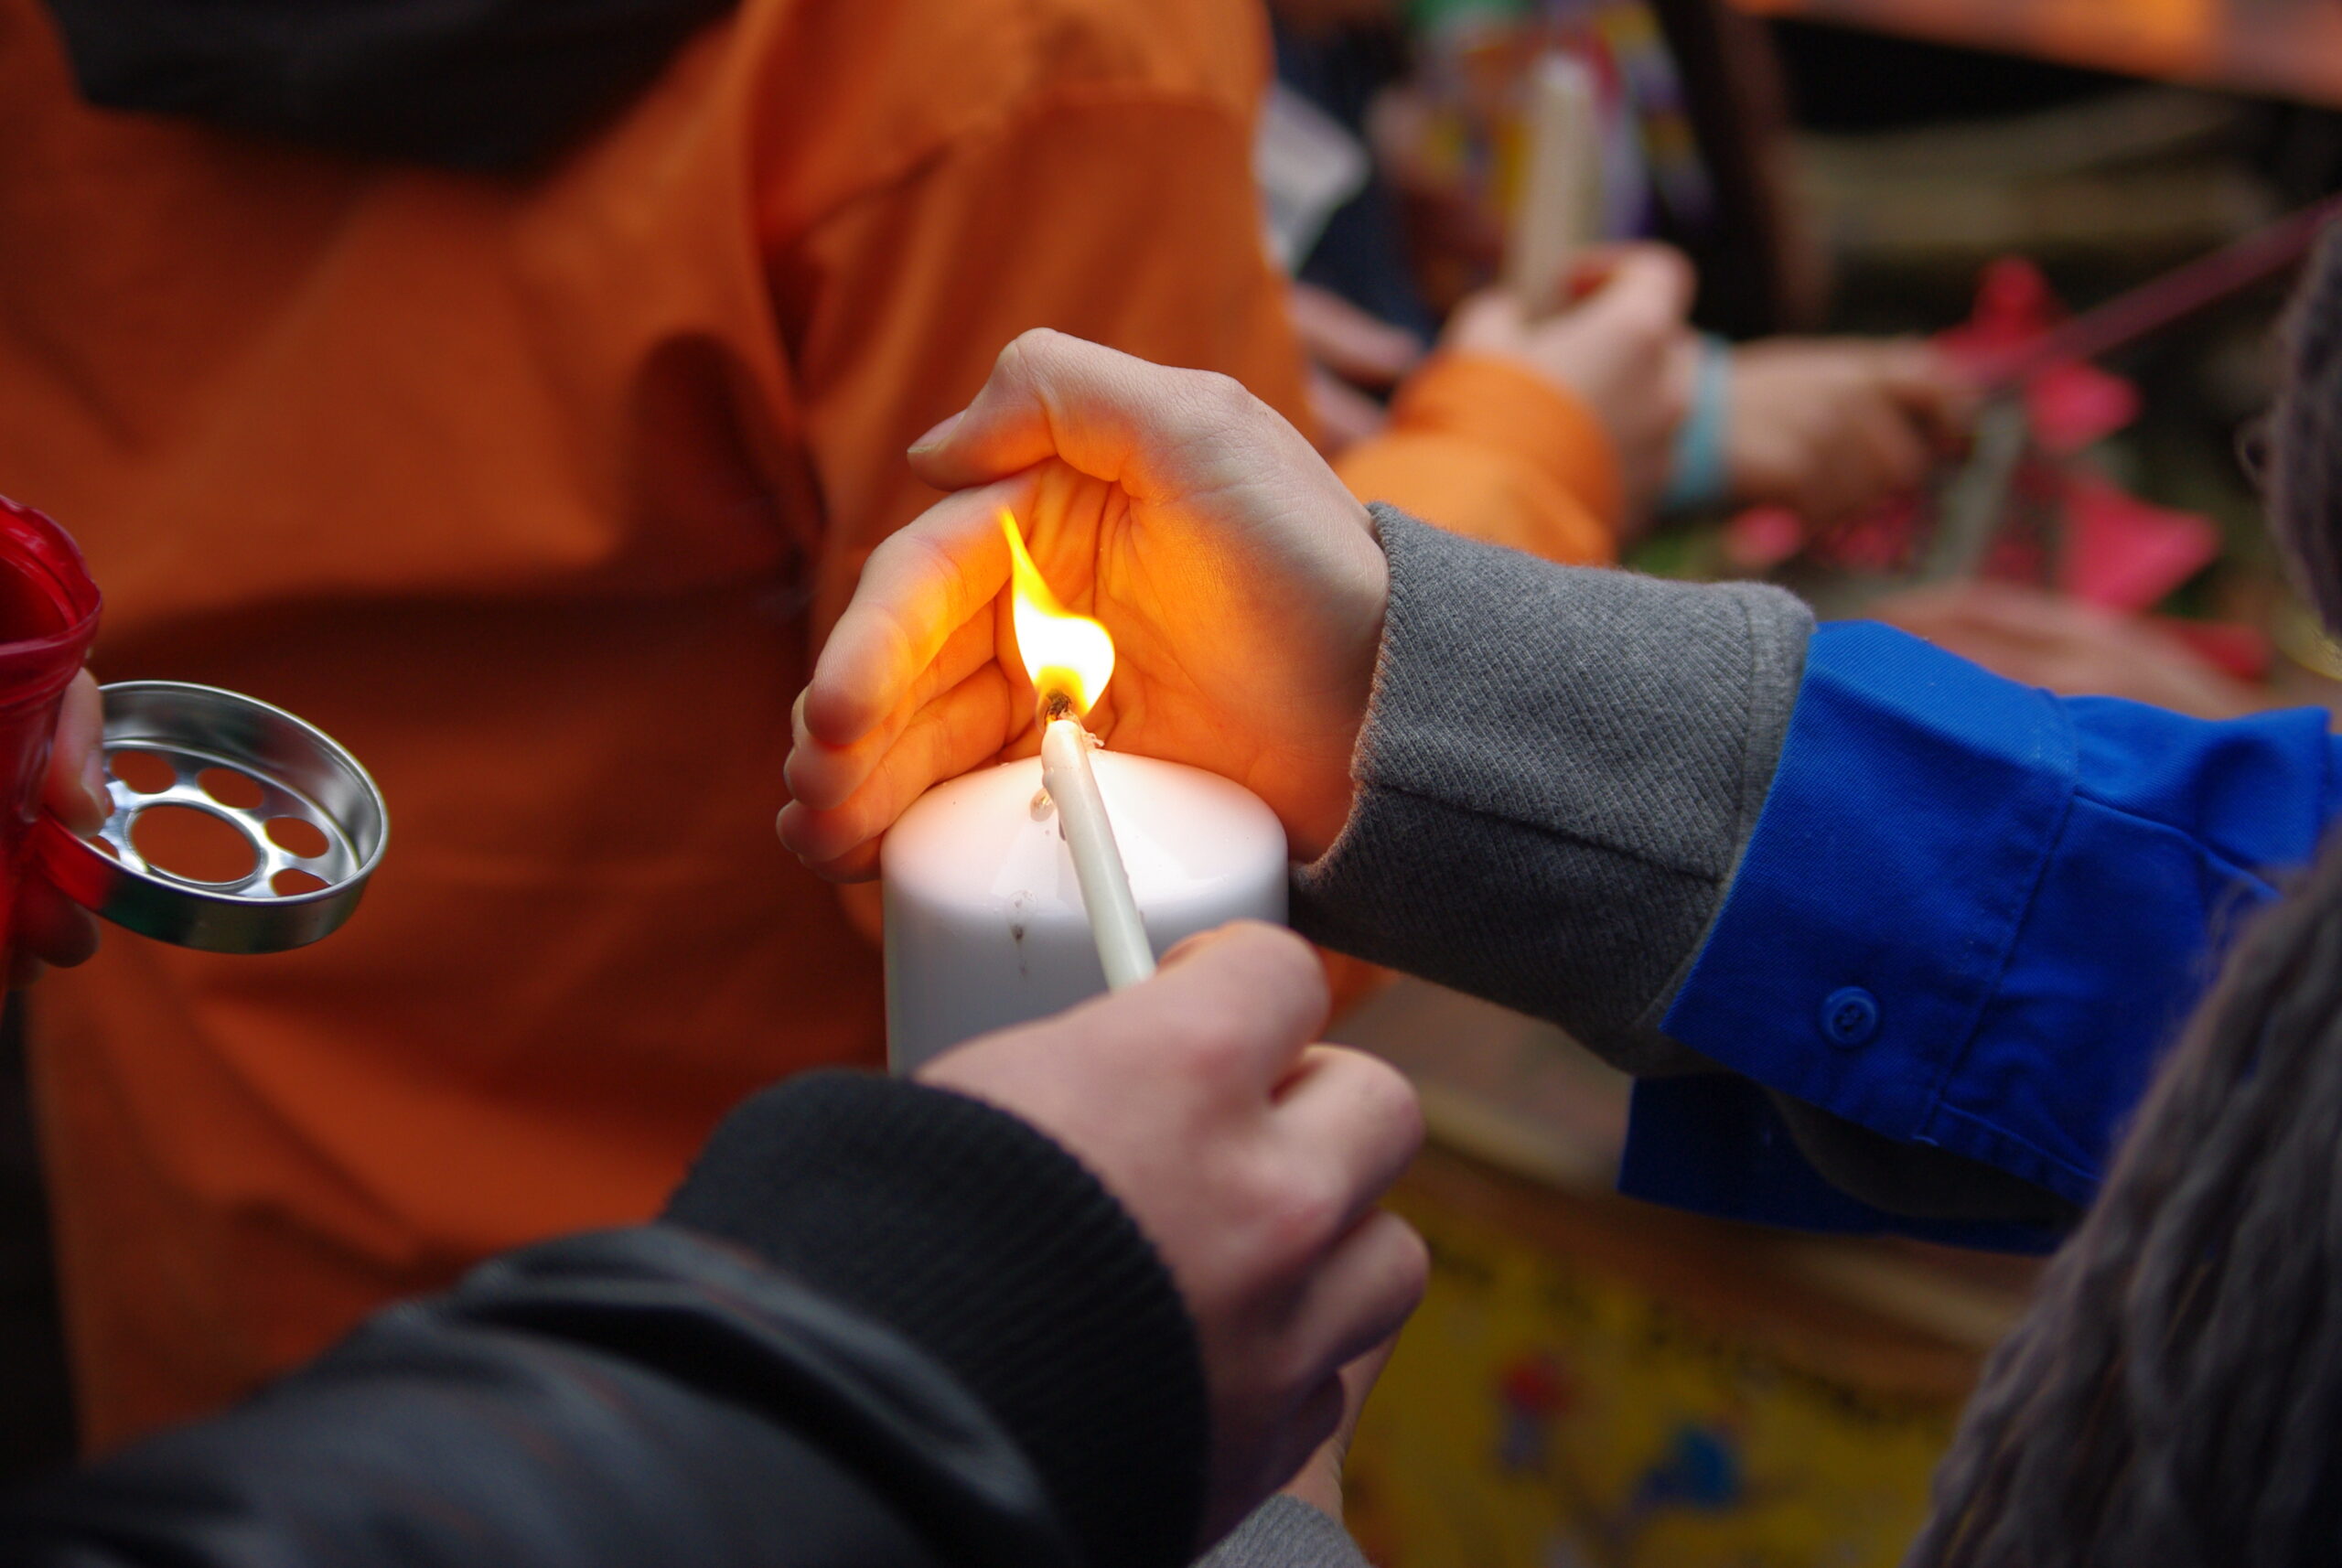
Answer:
(1559, 768)
(1285, 1532)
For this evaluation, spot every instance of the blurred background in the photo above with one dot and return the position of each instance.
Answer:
(1593, 1382)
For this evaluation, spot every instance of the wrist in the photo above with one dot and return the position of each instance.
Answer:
(1356, 598)
(1699, 470)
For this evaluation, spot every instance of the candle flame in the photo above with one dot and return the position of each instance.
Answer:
(1064, 653)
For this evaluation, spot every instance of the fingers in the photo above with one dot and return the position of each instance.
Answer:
(1293, 1452)
(1929, 389)
(1885, 454)
(859, 864)
(918, 589)
(958, 731)
(1340, 415)
(1160, 434)
(1242, 1002)
(1493, 321)
(1363, 349)
(1644, 281)
(1364, 1291)
(1360, 1375)
(823, 776)
(51, 929)
(75, 786)
(1358, 1114)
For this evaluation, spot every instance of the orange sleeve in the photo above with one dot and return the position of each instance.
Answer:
(1493, 451)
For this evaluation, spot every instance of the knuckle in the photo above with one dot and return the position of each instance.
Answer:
(1391, 1099)
(1410, 1262)
(1280, 958)
(1310, 1390)
(1220, 402)
(1029, 359)
(1208, 1040)
(1301, 1213)
(1033, 346)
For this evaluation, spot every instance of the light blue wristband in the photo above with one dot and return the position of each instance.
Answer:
(1697, 474)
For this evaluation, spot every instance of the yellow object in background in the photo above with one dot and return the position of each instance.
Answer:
(1594, 1383)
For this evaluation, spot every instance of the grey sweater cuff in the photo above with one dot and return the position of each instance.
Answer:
(1285, 1532)
(1559, 769)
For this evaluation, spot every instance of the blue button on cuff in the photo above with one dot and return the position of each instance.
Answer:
(1850, 1018)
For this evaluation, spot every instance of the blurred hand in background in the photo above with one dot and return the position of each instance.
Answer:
(1623, 349)
(1831, 426)
(1352, 356)
(2073, 649)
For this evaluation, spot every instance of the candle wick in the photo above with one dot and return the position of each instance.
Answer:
(1057, 704)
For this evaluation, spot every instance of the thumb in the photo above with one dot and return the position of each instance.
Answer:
(1160, 434)
(75, 787)
(1928, 386)
(1258, 988)
(1650, 282)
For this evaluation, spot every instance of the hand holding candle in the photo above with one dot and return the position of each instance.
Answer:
(1242, 582)
(1252, 1158)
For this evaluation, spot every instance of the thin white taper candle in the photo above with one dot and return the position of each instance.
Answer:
(1553, 214)
(1115, 921)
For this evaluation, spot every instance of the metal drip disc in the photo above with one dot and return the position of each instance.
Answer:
(313, 820)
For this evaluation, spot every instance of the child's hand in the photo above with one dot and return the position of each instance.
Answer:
(1623, 350)
(1830, 427)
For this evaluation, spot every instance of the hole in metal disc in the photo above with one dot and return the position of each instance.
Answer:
(230, 787)
(295, 836)
(292, 882)
(192, 844)
(143, 771)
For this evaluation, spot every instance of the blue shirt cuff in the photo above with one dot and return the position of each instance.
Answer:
(1971, 915)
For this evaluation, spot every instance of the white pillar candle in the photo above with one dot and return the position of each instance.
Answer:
(985, 925)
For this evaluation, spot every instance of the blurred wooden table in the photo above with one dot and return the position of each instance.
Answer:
(2275, 48)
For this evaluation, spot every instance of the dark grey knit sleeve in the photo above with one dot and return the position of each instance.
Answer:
(1285, 1532)
(1558, 770)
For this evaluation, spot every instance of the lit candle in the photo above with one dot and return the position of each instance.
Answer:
(1019, 890)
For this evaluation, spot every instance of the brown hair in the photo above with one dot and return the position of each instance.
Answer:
(2173, 1398)
(2304, 437)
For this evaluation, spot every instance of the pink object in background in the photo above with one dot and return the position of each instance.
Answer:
(1762, 537)
(2125, 553)
(2230, 647)
(2076, 405)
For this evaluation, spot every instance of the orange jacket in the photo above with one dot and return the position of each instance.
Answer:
(536, 493)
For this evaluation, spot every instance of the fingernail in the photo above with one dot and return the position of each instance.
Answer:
(940, 434)
(99, 805)
(1186, 948)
